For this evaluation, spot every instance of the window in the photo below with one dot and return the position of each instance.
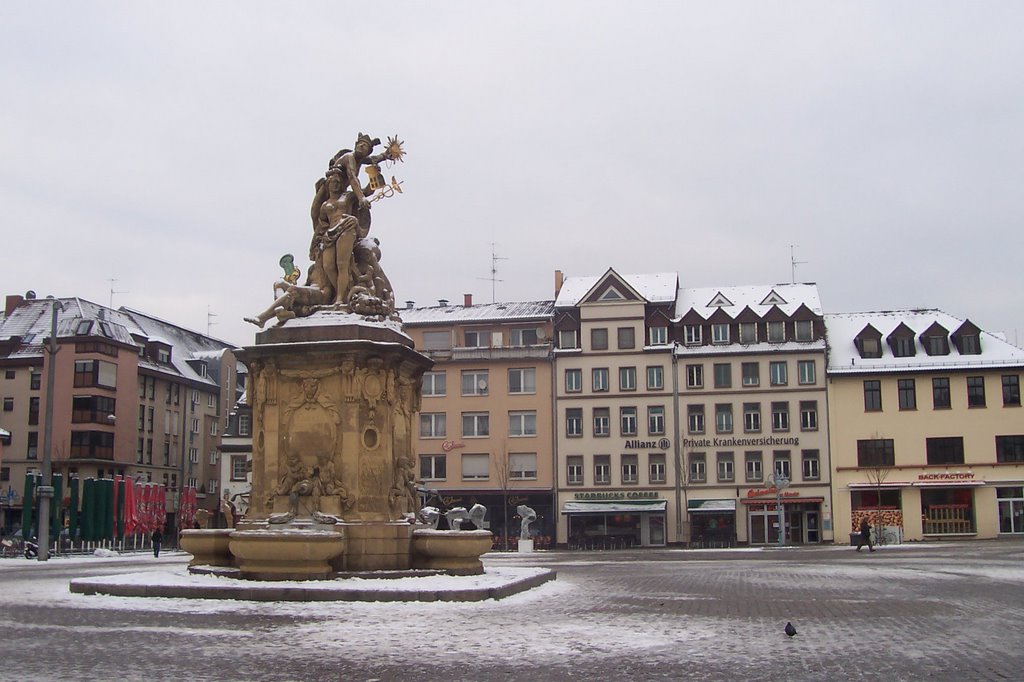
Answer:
(656, 467)
(754, 470)
(805, 372)
(778, 372)
(474, 382)
(92, 445)
(8, 404)
(936, 344)
(478, 339)
(214, 457)
(780, 416)
(141, 423)
(627, 421)
(695, 418)
(140, 450)
(780, 462)
(193, 455)
(626, 338)
(436, 340)
(433, 425)
(698, 467)
(433, 467)
(435, 384)
(476, 466)
(567, 339)
(95, 373)
(751, 417)
(975, 391)
(32, 451)
(808, 415)
(522, 423)
(211, 400)
(194, 426)
(574, 422)
(602, 469)
(726, 468)
(476, 424)
(870, 347)
(627, 378)
(970, 345)
(35, 380)
(723, 375)
(907, 394)
(243, 424)
(522, 380)
(1011, 390)
(948, 450)
(872, 396)
(602, 419)
(940, 393)
(723, 418)
(522, 466)
(655, 420)
(9, 373)
(903, 347)
(776, 332)
(748, 332)
(574, 470)
(692, 335)
(630, 469)
(151, 418)
(719, 333)
(655, 378)
(658, 336)
(599, 339)
(238, 467)
(167, 453)
(877, 452)
(33, 411)
(599, 379)
(751, 373)
(523, 337)
(695, 376)
(573, 380)
(211, 486)
(1008, 449)
(811, 467)
(803, 330)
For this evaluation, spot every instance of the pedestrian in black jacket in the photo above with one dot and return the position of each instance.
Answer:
(865, 535)
(158, 538)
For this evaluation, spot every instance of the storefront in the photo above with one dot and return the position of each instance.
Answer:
(615, 524)
(948, 510)
(712, 523)
(802, 516)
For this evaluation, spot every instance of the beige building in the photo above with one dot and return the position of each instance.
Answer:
(485, 433)
(926, 425)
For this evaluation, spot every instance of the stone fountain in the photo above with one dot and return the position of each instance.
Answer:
(334, 387)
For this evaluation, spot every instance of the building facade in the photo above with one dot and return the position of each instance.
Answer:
(486, 414)
(926, 424)
(133, 396)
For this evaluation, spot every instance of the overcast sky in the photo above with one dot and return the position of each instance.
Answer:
(174, 147)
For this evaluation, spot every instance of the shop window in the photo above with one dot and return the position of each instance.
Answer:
(907, 391)
(602, 469)
(947, 511)
(872, 396)
(876, 452)
(947, 450)
(940, 393)
(1011, 390)
(698, 467)
(976, 391)
(630, 469)
(874, 498)
(754, 469)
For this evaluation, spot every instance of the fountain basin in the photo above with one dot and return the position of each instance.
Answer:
(286, 554)
(456, 552)
(208, 547)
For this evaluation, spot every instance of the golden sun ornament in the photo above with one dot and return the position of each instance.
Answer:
(394, 152)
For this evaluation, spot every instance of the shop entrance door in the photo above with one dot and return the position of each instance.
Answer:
(1011, 516)
(811, 532)
(652, 530)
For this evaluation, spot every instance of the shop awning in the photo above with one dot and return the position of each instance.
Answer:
(613, 507)
(785, 500)
(947, 484)
(711, 506)
(884, 484)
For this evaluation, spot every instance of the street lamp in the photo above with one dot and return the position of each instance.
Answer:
(45, 491)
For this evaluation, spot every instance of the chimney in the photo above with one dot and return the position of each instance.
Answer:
(559, 281)
(13, 302)
(467, 300)
(409, 305)
(443, 302)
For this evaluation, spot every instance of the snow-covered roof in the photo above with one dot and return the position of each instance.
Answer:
(844, 358)
(759, 298)
(510, 311)
(747, 349)
(657, 287)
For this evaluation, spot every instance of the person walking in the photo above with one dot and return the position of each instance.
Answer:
(158, 538)
(865, 535)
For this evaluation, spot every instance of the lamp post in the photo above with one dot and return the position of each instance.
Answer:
(45, 491)
(781, 483)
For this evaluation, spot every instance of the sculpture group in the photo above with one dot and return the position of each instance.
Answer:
(345, 274)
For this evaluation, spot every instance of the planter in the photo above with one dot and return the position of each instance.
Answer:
(456, 552)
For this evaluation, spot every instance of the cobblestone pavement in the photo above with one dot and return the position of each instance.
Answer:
(946, 612)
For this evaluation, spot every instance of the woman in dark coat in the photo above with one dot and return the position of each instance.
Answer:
(865, 535)
(158, 538)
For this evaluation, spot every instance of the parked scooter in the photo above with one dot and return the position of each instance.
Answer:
(31, 549)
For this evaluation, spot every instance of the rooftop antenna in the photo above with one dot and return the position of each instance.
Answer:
(112, 292)
(793, 262)
(209, 320)
(494, 271)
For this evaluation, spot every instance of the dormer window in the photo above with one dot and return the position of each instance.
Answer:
(901, 342)
(748, 332)
(804, 330)
(658, 336)
(83, 327)
(720, 333)
(967, 339)
(776, 332)
(692, 335)
(869, 342)
(567, 339)
(163, 356)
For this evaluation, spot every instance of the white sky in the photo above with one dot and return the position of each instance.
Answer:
(174, 146)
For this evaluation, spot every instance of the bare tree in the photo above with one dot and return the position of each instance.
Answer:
(876, 476)
(503, 475)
